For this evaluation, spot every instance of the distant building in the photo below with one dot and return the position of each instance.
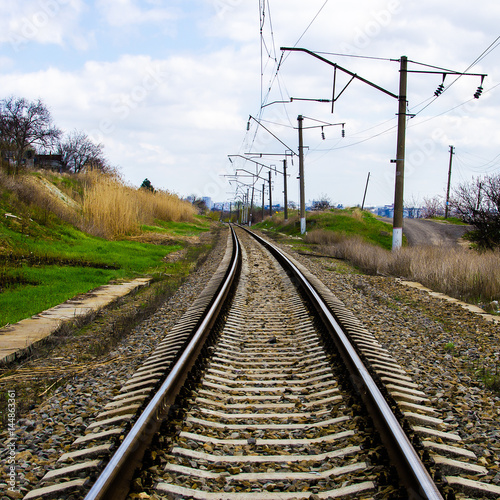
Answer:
(54, 162)
(388, 211)
(385, 211)
(208, 202)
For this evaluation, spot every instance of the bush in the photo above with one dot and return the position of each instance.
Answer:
(478, 204)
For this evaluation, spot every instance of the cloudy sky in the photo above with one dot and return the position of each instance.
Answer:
(167, 86)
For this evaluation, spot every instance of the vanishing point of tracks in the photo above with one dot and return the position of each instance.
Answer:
(278, 393)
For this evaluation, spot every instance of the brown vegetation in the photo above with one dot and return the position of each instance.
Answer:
(458, 272)
(112, 209)
(35, 194)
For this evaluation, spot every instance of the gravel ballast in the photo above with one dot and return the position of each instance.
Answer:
(442, 346)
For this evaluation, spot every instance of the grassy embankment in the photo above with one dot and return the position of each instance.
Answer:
(61, 236)
(364, 241)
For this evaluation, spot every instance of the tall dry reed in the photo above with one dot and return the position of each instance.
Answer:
(459, 272)
(112, 209)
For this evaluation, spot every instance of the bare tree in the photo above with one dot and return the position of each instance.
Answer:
(433, 207)
(25, 125)
(478, 203)
(79, 153)
(323, 203)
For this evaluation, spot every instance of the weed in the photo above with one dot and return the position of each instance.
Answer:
(449, 347)
(490, 378)
(462, 273)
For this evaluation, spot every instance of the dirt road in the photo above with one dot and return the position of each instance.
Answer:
(428, 232)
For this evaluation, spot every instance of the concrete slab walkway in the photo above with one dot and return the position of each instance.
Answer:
(17, 338)
(469, 307)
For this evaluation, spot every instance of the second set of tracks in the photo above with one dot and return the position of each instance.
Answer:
(280, 393)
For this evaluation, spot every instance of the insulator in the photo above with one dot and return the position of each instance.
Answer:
(439, 90)
(322, 134)
(479, 91)
(343, 133)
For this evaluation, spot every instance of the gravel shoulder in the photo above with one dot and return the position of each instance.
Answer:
(48, 429)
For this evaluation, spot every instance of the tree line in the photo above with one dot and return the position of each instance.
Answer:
(27, 129)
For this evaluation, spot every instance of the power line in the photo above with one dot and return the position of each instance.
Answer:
(353, 55)
(487, 51)
(486, 166)
(451, 109)
(311, 23)
(283, 56)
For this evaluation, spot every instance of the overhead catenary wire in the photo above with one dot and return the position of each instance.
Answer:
(484, 167)
(277, 84)
(487, 51)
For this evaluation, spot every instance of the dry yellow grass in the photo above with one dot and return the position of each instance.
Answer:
(458, 272)
(109, 208)
(112, 209)
(36, 192)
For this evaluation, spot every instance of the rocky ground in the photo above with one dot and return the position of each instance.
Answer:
(444, 347)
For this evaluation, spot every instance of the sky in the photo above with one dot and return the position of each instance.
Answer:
(168, 88)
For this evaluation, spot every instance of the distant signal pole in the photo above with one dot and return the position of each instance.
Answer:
(452, 152)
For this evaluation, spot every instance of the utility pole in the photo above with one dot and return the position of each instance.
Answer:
(230, 212)
(452, 152)
(263, 196)
(247, 206)
(364, 196)
(285, 189)
(397, 235)
(270, 196)
(251, 206)
(300, 118)
(397, 224)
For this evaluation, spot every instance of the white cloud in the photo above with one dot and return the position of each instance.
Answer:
(165, 117)
(119, 13)
(42, 21)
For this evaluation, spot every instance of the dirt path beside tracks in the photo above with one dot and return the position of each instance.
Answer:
(426, 232)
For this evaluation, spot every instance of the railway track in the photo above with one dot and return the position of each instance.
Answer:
(275, 395)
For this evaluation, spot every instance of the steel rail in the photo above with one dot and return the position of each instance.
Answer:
(412, 471)
(119, 470)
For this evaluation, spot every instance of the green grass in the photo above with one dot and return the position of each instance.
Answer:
(45, 261)
(451, 220)
(54, 286)
(179, 228)
(57, 283)
(348, 222)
